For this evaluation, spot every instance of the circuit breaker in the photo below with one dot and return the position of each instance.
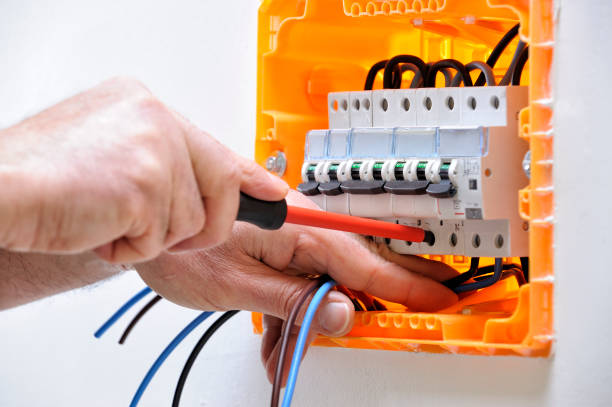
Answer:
(470, 163)
(441, 159)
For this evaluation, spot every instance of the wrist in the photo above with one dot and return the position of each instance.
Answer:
(18, 197)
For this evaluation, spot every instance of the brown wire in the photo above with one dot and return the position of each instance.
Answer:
(138, 317)
(365, 299)
(286, 334)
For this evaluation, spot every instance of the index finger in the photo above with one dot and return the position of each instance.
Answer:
(355, 266)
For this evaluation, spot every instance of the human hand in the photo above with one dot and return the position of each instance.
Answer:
(113, 169)
(261, 271)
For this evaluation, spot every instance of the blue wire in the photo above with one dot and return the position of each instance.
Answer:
(164, 355)
(119, 313)
(301, 340)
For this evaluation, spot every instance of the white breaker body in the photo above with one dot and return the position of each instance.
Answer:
(447, 159)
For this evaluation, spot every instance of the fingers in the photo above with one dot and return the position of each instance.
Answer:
(356, 267)
(259, 183)
(220, 175)
(273, 293)
(433, 269)
(187, 214)
(353, 265)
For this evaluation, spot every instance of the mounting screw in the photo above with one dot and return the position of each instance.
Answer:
(527, 164)
(277, 163)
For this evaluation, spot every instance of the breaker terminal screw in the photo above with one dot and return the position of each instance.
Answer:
(527, 164)
(277, 163)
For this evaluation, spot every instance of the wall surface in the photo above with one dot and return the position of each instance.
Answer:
(199, 57)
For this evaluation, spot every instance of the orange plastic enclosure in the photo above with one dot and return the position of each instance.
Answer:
(308, 48)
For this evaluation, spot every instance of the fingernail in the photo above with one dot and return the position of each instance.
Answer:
(334, 318)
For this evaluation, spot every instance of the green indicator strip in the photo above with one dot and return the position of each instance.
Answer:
(312, 167)
(422, 165)
(378, 166)
(400, 165)
(356, 166)
(333, 167)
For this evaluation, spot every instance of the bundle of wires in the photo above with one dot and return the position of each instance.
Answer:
(322, 287)
(171, 346)
(425, 73)
(487, 276)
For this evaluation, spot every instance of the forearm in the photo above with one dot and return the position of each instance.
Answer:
(26, 277)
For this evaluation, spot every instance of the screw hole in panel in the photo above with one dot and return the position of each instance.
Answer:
(334, 105)
(495, 102)
(471, 101)
(406, 104)
(499, 241)
(384, 104)
(476, 241)
(450, 103)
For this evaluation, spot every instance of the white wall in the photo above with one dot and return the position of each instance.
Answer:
(199, 56)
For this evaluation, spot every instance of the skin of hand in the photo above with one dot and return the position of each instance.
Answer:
(263, 271)
(114, 170)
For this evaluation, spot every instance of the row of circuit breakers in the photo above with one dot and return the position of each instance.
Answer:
(444, 159)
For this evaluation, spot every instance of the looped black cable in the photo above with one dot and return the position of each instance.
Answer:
(462, 278)
(520, 64)
(483, 67)
(497, 273)
(430, 79)
(389, 82)
(417, 79)
(371, 77)
(497, 51)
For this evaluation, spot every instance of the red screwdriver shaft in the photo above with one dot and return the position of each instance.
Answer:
(336, 221)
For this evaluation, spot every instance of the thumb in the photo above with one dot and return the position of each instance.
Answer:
(335, 315)
(258, 182)
(271, 292)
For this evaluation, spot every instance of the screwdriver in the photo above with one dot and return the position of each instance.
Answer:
(271, 215)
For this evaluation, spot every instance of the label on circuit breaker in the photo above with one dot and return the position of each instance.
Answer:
(473, 213)
(471, 168)
(466, 178)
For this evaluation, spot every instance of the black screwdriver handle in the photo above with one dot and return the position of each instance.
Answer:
(264, 214)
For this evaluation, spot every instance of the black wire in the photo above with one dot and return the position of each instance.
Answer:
(137, 318)
(371, 77)
(514, 271)
(195, 352)
(482, 66)
(505, 81)
(520, 64)
(525, 267)
(498, 50)
(416, 79)
(462, 278)
(498, 271)
(490, 269)
(430, 79)
(369, 83)
(389, 81)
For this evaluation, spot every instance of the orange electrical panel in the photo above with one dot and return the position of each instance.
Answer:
(308, 48)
